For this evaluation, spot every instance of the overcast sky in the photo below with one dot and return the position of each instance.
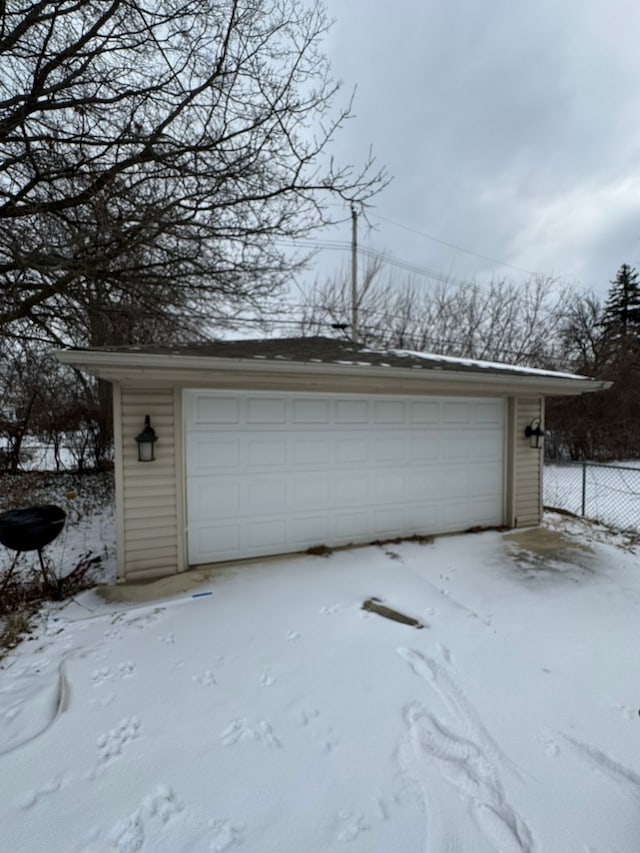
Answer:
(511, 129)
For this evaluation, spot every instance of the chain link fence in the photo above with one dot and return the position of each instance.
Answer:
(606, 493)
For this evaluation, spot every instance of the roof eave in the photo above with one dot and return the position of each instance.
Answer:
(125, 366)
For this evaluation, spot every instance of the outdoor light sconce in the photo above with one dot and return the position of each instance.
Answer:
(146, 442)
(534, 433)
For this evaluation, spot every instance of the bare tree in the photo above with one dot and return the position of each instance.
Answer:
(500, 321)
(153, 155)
(583, 334)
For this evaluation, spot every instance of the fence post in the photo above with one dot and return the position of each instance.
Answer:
(584, 488)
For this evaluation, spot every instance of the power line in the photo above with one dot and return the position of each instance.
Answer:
(455, 246)
(374, 254)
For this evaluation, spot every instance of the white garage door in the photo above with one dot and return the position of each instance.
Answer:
(270, 473)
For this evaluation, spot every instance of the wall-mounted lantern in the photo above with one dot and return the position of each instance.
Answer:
(534, 433)
(146, 442)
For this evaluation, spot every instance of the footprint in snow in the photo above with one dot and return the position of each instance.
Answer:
(112, 743)
(144, 620)
(162, 804)
(128, 836)
(113, 634)
(169, 638)
(318, 732)
(445, 653)
(625, 711)
(238, 730)
(206, 680)
(99, 676)
(351, 825)
(125, 669)
(224, 835)
(104, 701)
(50, 787)
(306, 716)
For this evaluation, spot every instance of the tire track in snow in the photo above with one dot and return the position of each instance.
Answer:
(454, 699)
(55, 698)
(466, 757)
(623, 776)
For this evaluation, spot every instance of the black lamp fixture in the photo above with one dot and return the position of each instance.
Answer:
(534, 433)
(146, 442)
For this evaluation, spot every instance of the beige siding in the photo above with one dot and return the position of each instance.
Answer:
(527, 466)
(150, 496)
(150, 518)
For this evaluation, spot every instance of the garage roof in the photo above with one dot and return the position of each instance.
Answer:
(313, 356)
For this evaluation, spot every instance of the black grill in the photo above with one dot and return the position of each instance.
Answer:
(32, 528)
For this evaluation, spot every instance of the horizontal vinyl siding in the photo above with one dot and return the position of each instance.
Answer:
(150, 535)
(528, 486)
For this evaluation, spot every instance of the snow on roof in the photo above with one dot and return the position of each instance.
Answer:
(488, 365)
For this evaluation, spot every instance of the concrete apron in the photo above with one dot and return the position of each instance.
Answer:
(533, 544)
(544, 551)
(181, 583)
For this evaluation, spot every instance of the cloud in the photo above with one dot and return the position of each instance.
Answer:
(512, 129)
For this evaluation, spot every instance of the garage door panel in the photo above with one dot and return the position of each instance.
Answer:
(424, 483)
(221, 454)
(309, 530)
(351, 527)
(310, 492)
(489, 413)
(388, 412)
(458, 479)
(349, 490)
(351, 412)
(270, 533)
(390, 449)
(311, 452)
(483, 480)
(350, 451)
(424, 412)
(310, 411)
(223, 540)
(266, 410)
(456, 413)
(266, 495)
(275, 472)
(457, 446)
(488, 446)
(217, 410)
(261, 453)
(457, 512)
(424, 518)
(389, 521)
(208, 497)
(424, 447)
(392, 487)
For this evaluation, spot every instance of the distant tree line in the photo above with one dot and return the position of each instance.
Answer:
(601, 340)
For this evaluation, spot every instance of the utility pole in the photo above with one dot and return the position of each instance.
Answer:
(354, 274)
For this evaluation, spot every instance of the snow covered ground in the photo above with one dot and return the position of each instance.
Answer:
(271, 713)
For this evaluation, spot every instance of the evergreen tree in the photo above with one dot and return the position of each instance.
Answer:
(622, 308)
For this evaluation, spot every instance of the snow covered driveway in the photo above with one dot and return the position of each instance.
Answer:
(277, 716)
